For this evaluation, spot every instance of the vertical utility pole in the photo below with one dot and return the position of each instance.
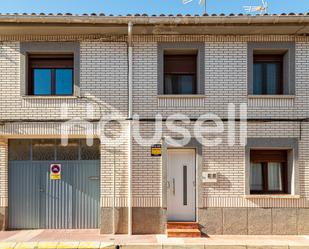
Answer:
(114, 192)
(130, 117)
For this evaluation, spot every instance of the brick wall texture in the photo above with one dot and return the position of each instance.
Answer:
(104, 94)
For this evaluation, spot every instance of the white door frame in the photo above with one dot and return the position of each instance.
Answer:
(194, 152)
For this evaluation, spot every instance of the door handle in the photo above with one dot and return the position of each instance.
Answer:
(173, 186)
(93, 178)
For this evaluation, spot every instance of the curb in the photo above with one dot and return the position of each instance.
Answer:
(109, 245)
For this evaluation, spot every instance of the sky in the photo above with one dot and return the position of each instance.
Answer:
(123, 7)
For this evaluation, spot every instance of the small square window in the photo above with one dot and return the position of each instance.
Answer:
(268, 74)
(180, 74)
(51, 75)
(181, 68)
(90, 152)
(19, 150)
(268, 171)
(68, 152)
(43, 150)
(271, 68)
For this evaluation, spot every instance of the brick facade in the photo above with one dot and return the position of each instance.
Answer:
(104, 90)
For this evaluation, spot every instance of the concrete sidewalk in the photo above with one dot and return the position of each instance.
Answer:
(91, 239)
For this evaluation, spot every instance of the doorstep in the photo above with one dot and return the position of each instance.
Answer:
(183, 230)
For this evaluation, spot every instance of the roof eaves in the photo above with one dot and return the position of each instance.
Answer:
(144, 19)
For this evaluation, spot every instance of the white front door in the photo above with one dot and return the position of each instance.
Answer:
(181, 185)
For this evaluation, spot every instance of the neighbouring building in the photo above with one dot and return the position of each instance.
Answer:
(91, 74)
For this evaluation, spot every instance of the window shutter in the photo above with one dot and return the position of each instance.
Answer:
(49, 61)
(180, 64)
(257, 156)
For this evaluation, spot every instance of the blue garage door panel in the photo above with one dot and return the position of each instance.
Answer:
(85, 195)
(56, 197)
(24, 195)
(36, 201)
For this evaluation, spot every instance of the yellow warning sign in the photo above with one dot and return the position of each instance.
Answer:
(156, 150)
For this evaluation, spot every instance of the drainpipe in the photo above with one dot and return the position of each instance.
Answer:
(114, 192)
(130, 117)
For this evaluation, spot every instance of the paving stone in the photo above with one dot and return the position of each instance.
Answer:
(47, 245)
(225, 247)
(89, 245)
(268, 247)
(195, 247)
(298, 247)
(107, 245)
(174, 247)
(183, 246)
(68, 245)
(141, 246)
(26, 245)
(7, 245)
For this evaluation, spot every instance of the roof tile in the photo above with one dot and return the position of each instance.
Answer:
(154, 15)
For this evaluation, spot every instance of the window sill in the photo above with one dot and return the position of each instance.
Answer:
(271, 101)
(272, 196)
(49, 97)
(271, 96)
(181, 101)
(182, 96)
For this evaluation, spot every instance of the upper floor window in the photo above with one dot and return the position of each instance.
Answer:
(180, 74)
(51, 75)
(50, 68)
(268, 74)
(271, 68)
(268, 171)
(181, 68)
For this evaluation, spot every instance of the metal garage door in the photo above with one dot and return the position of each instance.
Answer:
(37, 201)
